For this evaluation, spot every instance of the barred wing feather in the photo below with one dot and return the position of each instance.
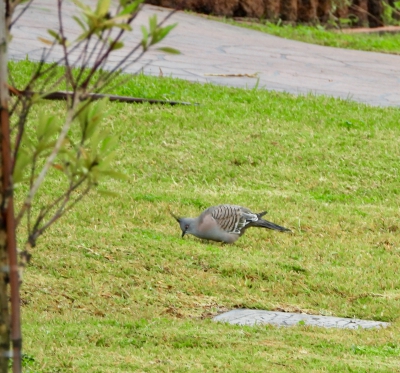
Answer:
(231, 218)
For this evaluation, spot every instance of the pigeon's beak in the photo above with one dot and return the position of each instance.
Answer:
(177, 219)
(174, 216)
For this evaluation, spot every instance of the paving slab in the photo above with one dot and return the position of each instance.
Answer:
(260, 317)
(211, 47)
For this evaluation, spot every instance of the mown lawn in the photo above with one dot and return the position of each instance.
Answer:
(372, 42)
(114, 288)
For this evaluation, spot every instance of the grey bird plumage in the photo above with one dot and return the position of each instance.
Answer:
(224, 223)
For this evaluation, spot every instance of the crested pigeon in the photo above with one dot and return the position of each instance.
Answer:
(224, 223)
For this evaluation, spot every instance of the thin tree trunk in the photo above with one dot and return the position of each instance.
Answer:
(9, 272)
(323, 9)
(375, 12)
(307, 10)
(358, 11)
(271, 9)
(4, 313)
(289, 10)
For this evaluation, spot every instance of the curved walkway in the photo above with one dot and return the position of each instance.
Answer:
(210, 47)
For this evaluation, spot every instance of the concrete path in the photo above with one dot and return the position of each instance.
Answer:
(259, 317)
(210, 47)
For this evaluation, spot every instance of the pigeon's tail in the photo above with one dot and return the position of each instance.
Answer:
(261, 223)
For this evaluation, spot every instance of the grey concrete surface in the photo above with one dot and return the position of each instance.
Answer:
(257, 317)
(210, 47)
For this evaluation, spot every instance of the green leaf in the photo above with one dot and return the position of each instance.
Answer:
(90, 117)
(169, 50)
(152, 23)
(114, 174)
(93, 123)
(44, 145)
(55, 35)
(92, 18)
(112, 22)
(27, 142)
(83, 116)
(42, 124)
(164, 31)
(123, 26)
(102, 7)
(127, 2)
(46, 127)
(130, 8)
(96, 139)
(109, 144)
(79, 22)
(161, 33)
(107, 193)
(23, 160)
(45, 41)
(81, 5)
(107, 160)
(116, 45)
(144, 32)
(68, 152)
(145, 37)
(83, 36)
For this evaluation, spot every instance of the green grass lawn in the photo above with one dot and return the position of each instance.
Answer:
(385, 43)
(113, 287)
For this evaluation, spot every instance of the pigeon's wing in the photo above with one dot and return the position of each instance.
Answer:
(232, 218)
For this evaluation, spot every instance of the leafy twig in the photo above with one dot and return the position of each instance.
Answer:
(39, 180)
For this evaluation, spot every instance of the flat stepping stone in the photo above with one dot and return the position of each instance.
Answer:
(260, 317)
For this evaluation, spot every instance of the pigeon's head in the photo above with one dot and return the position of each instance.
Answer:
(185, 224)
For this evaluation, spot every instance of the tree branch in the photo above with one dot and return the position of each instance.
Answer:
(14, 5)
(70, 78)
(39, 180)
(64, 197)
(60, 212)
